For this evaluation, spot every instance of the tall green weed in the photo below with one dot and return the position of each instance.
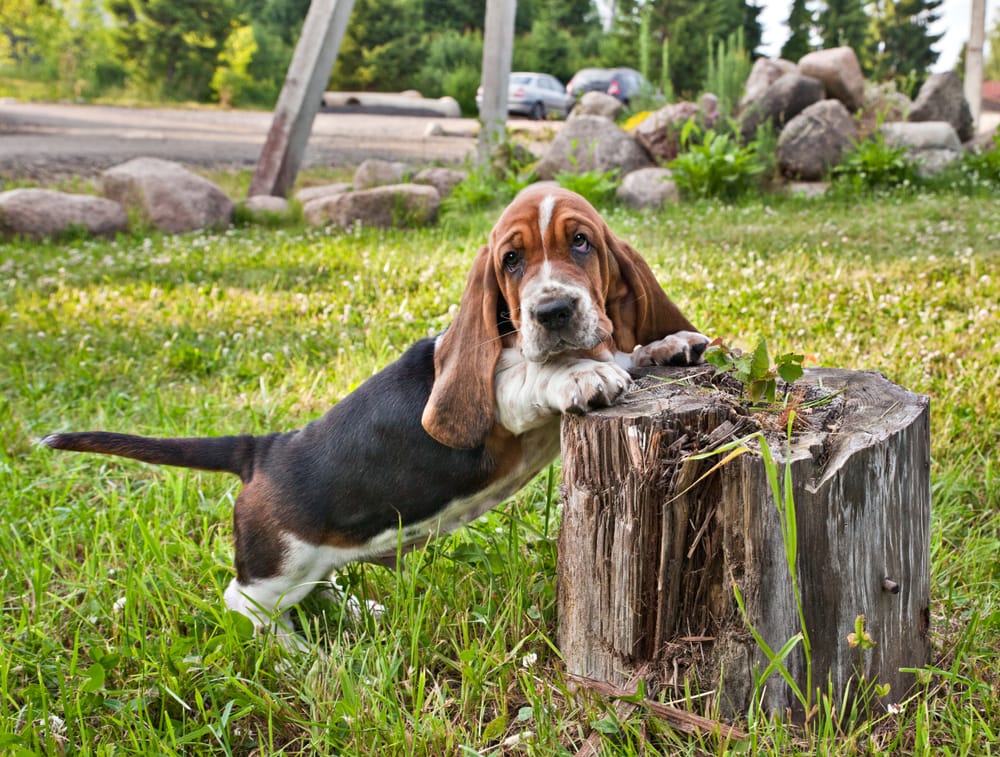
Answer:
(714, 164)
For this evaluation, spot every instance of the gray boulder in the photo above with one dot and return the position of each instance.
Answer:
(839, 70)
(765, 72)
(375, 172)
(780, 103)
(807, 190)
(883, 103)
(266, 204)
(709, 104)
(647, 188)
(306, 194)
(442, 179)
(46, 213)
(941, 99)
(660, 131)
(382, 207)
(266, 208)
(592, 143)
(815, 140)
(931, 144)
(598, 104)
(167, 195)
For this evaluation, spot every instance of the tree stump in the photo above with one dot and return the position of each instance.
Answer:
(653, 541)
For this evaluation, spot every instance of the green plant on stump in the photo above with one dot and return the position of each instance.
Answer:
(754, 369)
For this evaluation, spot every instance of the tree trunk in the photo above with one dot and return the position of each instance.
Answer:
(653, 541)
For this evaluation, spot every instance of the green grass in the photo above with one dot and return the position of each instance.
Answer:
(113, 634)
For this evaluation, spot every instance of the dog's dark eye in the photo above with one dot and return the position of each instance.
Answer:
(581, 245)
(512, 261)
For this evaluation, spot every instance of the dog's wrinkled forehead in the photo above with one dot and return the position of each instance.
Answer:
(530, 216)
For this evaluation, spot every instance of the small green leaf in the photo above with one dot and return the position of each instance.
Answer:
(790, 372)
(93, 678)
(495, 728)
(720, 357)
(761, 362)
(606, 725)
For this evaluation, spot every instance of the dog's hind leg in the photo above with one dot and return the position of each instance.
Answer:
(267, 600)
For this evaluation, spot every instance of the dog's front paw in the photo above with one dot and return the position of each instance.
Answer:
(681, 348)
(588, 385)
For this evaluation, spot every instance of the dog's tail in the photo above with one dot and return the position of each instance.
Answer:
(230, 454)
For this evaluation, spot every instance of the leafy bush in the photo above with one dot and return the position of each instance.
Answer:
(714, 164)
(874, 164)
(598, 187)
(491, 183)
(452, 67)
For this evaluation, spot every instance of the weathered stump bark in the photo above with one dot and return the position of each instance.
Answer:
(649, 550)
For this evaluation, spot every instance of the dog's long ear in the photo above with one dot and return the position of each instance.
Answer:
(639, 309)
(460, 410)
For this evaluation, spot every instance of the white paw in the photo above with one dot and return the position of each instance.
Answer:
(681, 348)
(355, 608)
(589, 384)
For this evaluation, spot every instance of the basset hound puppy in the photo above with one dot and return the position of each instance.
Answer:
(555, 311)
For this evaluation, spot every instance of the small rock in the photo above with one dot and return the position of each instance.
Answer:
(41, 213)
(592, 143)
(442, 179)
(307, 194)
(840, 71)
(375, 172)
(648, 188)
(167, 195)
(382, 207)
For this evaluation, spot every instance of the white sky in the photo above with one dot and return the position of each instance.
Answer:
(955, 21)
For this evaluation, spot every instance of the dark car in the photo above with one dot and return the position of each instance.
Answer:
(535, 95)
(623, 83)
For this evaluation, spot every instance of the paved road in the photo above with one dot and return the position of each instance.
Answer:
(44, 141)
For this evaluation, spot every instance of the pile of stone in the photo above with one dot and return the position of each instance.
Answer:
(166, 196)
(820, 107)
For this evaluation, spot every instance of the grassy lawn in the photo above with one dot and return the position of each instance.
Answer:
(114, 638)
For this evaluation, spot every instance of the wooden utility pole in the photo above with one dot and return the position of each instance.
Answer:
(498, 51)
(974, 60)
(655, 542)
(300, 97)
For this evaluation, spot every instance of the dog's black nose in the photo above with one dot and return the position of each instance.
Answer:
(555, 313)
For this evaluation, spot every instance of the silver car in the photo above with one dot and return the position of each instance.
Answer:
(534, 95)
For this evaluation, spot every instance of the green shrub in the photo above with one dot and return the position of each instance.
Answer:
(491, 183)
(452, 67)
(714, 164)
(873, 164)
(598, 187)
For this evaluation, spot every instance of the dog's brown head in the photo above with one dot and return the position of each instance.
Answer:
(553, 280)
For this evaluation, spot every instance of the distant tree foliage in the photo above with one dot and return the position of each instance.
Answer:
(800, 26)
(237, 51)
(172, 46)
(843, 22)
(900, 49)
(688, 27)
